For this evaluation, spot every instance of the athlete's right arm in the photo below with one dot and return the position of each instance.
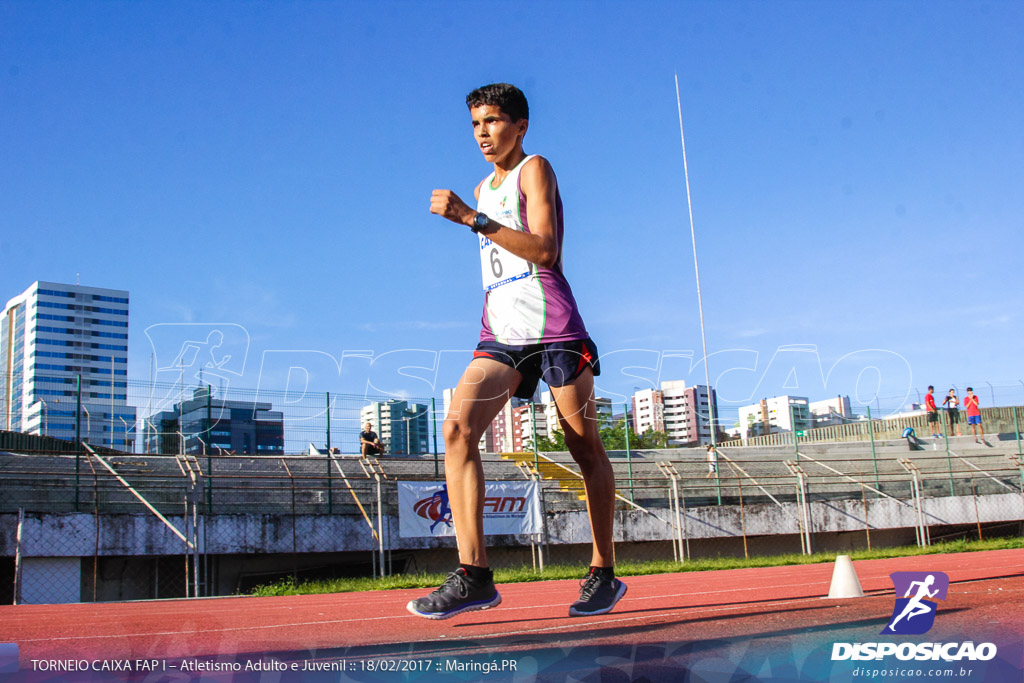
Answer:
(538, 246)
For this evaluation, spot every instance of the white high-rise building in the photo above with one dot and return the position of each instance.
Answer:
(682, 413)
(53, 336)
(648, 411)
(688, 412)
(774, 415)
(832, 411)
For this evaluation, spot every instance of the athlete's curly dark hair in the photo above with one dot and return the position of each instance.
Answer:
(510, 98)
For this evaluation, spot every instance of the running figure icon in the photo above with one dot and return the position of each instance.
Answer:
(916, 605)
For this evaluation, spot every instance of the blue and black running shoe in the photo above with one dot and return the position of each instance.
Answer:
(456, 595)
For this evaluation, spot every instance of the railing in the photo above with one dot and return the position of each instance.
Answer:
(296, 498)
(999, 419)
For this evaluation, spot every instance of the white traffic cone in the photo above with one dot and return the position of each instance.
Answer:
(845, 583)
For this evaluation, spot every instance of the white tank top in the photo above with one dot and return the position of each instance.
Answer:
(523, 303)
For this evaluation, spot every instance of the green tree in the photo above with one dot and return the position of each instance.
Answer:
(652, 439)
(555, 442)
(613, 435)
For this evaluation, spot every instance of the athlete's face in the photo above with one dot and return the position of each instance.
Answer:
(496, 134)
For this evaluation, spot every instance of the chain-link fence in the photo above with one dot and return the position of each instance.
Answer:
(92, 525)
(196, 417)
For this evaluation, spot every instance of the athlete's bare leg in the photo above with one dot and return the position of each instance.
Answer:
(577, 413)
(485, 387)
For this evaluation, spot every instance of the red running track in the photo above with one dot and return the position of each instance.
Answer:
(986, 591)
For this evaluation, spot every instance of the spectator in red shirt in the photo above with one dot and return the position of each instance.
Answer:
(973, 414)
(933, 412)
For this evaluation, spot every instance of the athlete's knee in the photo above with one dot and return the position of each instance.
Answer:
(587, 451)
(456, 433)
(582, 440)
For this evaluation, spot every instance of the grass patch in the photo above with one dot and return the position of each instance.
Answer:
(632, 568)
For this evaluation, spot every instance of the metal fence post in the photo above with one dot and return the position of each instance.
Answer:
(330, 495)
(629, 456)
(867, 527)
(433, 414)
(78, 435)
(543, 521)
(796, 440)
(1020, 468)
(915, 487)
(533, 432)
(17, 556)
(96, 519)
(743, 517)
(803, 504)
(1016, 430)
(295, 542)
(380, 520)
(671, 474)
(949, 458)
(874, 454)
(977, 514)
(718, 475)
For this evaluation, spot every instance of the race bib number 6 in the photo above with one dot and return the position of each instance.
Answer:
(500, 266)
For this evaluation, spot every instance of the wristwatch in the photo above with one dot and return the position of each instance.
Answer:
(480, 222)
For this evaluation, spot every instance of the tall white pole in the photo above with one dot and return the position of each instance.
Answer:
(712, 404)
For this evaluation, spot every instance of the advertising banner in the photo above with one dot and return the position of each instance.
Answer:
(510, 507)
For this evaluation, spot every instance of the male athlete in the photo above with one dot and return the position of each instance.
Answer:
(532, 330)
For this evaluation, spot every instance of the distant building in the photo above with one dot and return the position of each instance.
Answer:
(525, 420)
(648, 411)
(775, 415)
(688, 412)
(402, 426)
(547, 405)
(210, 425)
(50, 336)
(499, 437)
(832, 411)
(684, 414)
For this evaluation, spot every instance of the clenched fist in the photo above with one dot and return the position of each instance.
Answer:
(447, 204)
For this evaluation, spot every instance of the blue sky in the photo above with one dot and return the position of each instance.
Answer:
(855, 170)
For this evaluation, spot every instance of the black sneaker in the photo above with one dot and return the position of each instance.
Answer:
(456, 595)
(598, 595)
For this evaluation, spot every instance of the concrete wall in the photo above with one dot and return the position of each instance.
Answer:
(54, 545)
(75, 534)
(50, 580)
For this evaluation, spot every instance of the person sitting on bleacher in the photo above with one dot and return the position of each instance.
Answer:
(369, 443)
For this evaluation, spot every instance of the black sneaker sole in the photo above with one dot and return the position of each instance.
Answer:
(471, 607)
(573, 612)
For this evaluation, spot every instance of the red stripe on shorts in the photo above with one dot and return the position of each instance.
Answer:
(586, 358)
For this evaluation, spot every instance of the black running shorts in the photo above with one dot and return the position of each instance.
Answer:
(557, 363)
